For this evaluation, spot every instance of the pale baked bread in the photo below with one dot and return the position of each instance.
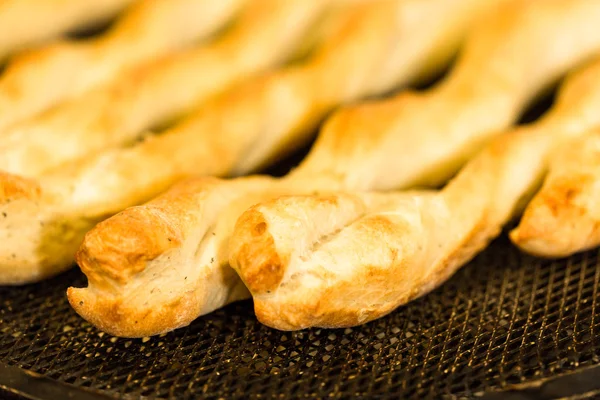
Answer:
(271, 113)
(24, 23)
(564, 216)
(344, 259)
(66, 201)
(36, 80)
(267, 33)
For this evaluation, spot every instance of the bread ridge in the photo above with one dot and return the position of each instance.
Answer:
(309, 292)
(350, 274)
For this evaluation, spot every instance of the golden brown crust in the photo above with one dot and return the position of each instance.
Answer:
(116, 317)
(13, 187)
(257, 245)
(102, 257)
(320, 311)
(151, 230)
(563, 218)
(293, 317)
(123, 317)
(144, 274)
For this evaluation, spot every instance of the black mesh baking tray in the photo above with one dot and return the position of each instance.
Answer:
(505, 319)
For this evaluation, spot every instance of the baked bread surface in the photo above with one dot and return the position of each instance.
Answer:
(344, 258)
(77, 195)
(291, 101)
(464, 93)
(563, 218)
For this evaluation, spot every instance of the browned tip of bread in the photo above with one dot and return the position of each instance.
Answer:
(13, 187)
(120, 247)
(110, 313)
(254, 254)
(84, 302)
(121, 317)
(285, 318)
(556, 223)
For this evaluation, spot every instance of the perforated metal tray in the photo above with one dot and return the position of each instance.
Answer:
(504, 319)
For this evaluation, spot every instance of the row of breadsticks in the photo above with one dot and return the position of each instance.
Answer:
(91, 156)
(319, 247)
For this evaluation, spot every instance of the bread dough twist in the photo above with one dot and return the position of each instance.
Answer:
(190, 230)
(347, 258)
(39, 79)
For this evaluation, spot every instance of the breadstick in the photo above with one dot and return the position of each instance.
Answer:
(344, 259)
(291, 101)
(506, 63)
(24, 23)
(160, 91)
(563, 218)
(42, 78)
(512, 35)
(64, 202)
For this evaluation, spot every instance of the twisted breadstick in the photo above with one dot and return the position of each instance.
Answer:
(27, 22)
(41, 78)
(563, 218)
(384, 43)
(53, 212)
(345, 259)
(512, 32)
(507, 62)
(267, 33)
